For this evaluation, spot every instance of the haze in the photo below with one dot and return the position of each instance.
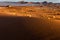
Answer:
(57, 1)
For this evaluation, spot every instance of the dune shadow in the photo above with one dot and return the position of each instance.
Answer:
(24, 28)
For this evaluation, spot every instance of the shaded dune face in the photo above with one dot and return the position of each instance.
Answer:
(25, 28)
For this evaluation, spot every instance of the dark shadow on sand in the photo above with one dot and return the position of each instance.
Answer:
(24, 28)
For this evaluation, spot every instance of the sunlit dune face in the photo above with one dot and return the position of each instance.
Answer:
(19, 11)
(29, 11)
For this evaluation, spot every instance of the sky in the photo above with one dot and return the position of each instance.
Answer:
(34, 0)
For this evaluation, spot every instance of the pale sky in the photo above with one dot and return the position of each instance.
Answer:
(33, 0)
